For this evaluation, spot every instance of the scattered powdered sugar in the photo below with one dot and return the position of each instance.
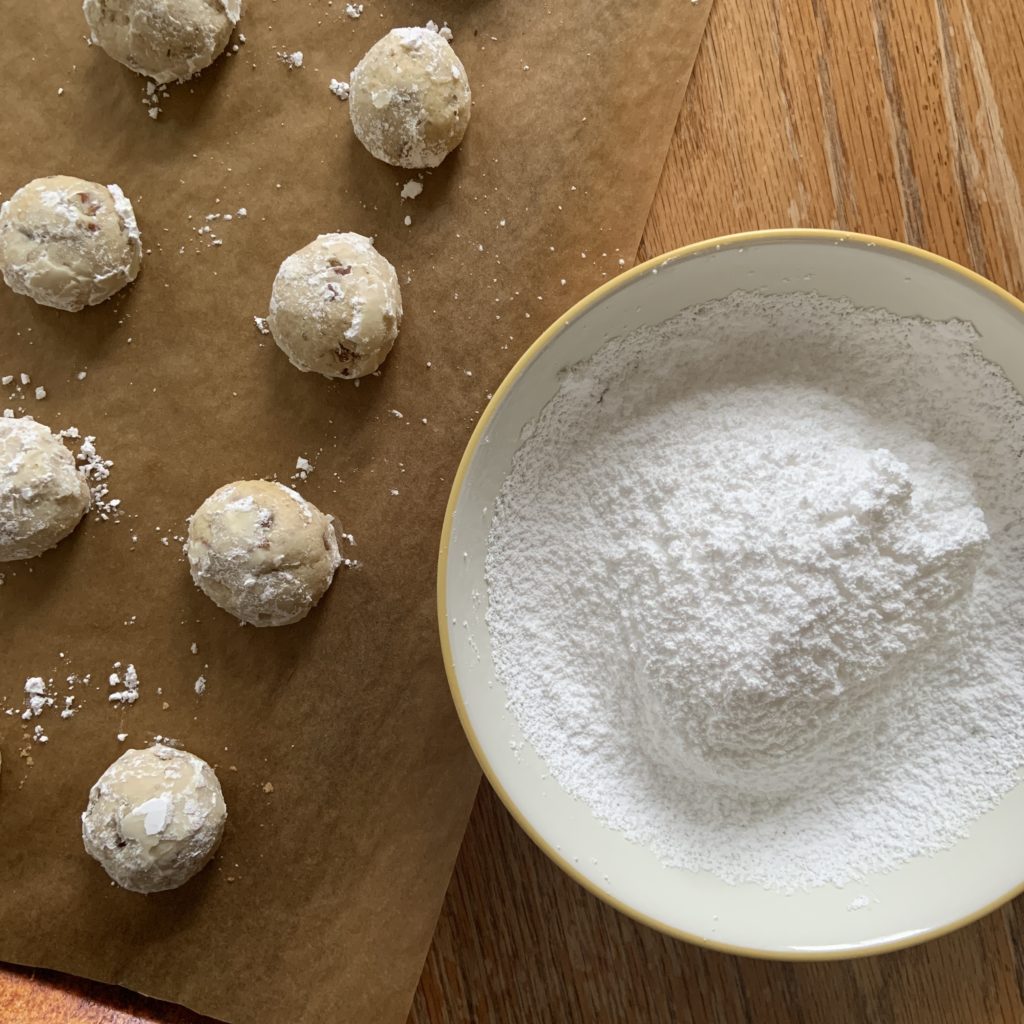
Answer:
(212, 222)
(154, 93)
(129, 679)
(303, 468)
(443, 31)
(756, 587)
(37, 699)
(60, 695)
(347, 539)
(97, 472)
(291, 60)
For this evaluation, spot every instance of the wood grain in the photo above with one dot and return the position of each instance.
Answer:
(896, 117)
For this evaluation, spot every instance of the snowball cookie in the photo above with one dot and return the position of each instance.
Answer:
(43, 495)
(409, 98)
(259, 550)
(154, 818)
(68, 243)
(336, 307)
(168, 40)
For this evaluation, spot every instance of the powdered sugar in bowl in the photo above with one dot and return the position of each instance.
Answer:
(728, 593)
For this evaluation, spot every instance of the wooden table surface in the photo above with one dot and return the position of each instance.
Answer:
(901, 118)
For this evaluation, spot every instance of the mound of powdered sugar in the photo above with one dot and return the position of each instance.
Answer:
(756, 587)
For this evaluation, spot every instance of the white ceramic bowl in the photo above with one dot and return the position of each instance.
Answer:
(924, 898)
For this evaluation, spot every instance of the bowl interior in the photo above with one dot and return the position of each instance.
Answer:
(924, 897)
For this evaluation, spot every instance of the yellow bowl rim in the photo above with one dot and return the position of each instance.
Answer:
(511, 378)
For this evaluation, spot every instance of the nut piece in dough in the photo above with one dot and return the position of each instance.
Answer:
(154, 818)
(409, 98)
(168, 40)
(43, 495)
(259, 550)
(68, 243)
(336, 306)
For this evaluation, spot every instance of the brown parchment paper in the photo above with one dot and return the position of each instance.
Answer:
(322, 901)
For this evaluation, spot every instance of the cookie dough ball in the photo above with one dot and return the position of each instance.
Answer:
(259, 550)
(154, 818)
(68, 243)
(409, 98)
(336, 307)
(168, 40)
(43, 495)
